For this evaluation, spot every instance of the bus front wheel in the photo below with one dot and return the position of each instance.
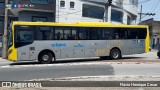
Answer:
(115, 54)
(45, 58)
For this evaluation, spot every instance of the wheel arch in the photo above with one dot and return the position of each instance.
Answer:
(115, 48)
(47, 50)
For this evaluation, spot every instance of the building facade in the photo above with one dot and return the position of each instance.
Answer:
(122, 11)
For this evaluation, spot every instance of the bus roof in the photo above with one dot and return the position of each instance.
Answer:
(78, 24)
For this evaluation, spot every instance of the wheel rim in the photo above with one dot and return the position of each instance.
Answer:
(115, 54)
(45, 57)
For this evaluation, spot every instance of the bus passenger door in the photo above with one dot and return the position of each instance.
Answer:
(23, 53)
(32, 53)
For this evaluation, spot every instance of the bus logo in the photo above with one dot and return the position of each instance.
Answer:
(78, 45)
(58, 45)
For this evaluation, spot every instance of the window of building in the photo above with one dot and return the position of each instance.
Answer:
(2, 5)
(39, 1)
(116, 16)
(128, 20)
(153, 45)
(62, 3)
(1, 23)
(92, 11)
(38, 18)
(72, 4)
(133, 1)
(157, 40)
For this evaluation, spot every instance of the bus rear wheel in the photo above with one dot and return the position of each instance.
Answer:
(45, 58)
(115, 54)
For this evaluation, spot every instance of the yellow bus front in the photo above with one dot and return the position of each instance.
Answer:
(147, 41)
(12, 52)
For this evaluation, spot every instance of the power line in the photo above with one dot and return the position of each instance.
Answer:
(144, 1)
(156, 5)
(132, 4)
(145, 14)
(153, 6)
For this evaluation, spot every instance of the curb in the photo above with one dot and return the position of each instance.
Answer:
(104, 78)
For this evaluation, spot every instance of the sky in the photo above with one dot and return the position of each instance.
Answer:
(150, 6)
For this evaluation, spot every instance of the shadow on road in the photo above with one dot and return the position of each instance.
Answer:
(106, 59)
(56, 62)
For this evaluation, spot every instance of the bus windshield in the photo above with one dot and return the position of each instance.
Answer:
(23, 36)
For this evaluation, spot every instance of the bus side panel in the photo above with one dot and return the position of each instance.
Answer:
(125, 47)
(66, 48)
(95, 48)
(23, 53)
(112, 44)
(134, 46)
(30, 52)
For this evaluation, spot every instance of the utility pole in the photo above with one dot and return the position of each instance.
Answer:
(140, 14)
(109, 10)
(5, 48)
(145, 14)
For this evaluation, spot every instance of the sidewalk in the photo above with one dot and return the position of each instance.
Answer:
(4, 61)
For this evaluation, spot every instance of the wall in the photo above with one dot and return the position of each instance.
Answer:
(27, 15)
(73, 15)
(66, 14)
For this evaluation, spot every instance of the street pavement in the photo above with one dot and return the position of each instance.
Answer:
(130, 65)
(139, 67)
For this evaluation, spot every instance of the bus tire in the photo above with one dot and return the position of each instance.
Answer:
(115, 54)
(45, 58)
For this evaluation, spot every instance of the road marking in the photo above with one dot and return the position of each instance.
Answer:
(105, 78)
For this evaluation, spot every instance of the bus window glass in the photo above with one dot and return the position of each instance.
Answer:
(74, 33)
(52, 34)
(99, 34)
(108, 33)
(142, 33)
(24, 36)
(82, 34)
(133, 34)
(122, 33)
(42, 33)
(88, 33)
(58, 33)
(45, 31)
(94, 34)
(67, 34)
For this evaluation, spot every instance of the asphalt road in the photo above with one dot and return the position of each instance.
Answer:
(25, 72)
(10, 71)
(28, 73)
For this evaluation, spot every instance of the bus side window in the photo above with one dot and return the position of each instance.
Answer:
(59, 33)
(58, 36)
(52, 35)
(116, 36)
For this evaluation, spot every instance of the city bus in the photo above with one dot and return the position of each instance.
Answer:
(51, 41)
